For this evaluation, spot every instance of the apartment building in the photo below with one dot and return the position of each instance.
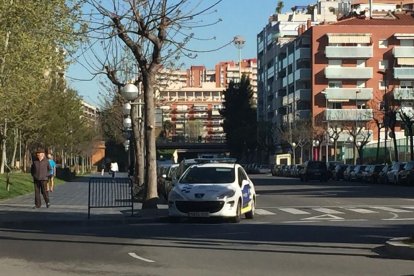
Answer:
(337, 74)
(191, 99)
(358, 60)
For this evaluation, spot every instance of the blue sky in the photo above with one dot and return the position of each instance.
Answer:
(239, 17)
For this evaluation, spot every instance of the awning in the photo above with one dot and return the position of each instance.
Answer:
(349, 38)
(405, 61)
(404, 35)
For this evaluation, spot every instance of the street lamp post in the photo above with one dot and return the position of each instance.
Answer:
(131, 92)
(294, 152)
(239, 42)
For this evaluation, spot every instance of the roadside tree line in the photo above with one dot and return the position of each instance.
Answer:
(37, 108)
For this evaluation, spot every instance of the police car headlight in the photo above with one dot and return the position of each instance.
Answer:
(174, 196)
(228, 193)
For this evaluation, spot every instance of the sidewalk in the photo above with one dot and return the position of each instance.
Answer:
(69, 203)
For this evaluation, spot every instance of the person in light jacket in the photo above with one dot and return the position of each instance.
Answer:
(40, 172)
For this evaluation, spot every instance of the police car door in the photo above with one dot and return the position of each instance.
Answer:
(245, 187)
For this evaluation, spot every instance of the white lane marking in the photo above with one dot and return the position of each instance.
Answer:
(294, 211)
(327, 211)
(389, 209)
(324, 217)
(408, 207)
(263, 212)
(333, 220)
(399, 219)
(133, 255)
(361, 210)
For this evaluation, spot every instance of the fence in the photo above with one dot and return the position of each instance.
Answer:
(108, 192)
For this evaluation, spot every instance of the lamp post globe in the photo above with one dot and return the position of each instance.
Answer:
(127, 123)
(126, 109)
(130, 92)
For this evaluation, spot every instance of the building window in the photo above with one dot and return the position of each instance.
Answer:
(383, 43)
(336, 105)
(381, 85)
(335, 84)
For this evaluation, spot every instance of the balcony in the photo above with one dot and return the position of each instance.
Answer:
(302, 114)
(338, 72)
(403, 51)
(404, 73)
(302, 53)
(349, 52)
(348, 114)
(346, 94)
(303, 74)
(404, 93)
(303, 94)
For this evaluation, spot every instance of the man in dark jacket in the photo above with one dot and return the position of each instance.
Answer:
(40, 172)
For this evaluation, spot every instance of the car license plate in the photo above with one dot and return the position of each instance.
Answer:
(198, 214)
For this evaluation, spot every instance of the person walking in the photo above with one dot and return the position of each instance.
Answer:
(52, 173)
(40, 171)
(114, 168)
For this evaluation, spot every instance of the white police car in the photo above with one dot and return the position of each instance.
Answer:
(213, 190)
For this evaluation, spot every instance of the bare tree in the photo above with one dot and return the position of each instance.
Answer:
(407, 116)
(139, 37)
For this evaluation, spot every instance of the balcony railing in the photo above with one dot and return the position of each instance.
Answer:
(348, 114)
(405, 73)
(303, 74)
(404, 93)
(337, 72)
(302, 53)
(403, 51)
(349, 51)
(346, 94)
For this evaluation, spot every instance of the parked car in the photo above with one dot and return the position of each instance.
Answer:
(276, 169)
(338, 173)
(392, 174)
(347, 172)
(314, 170)
(166, 180)
(382, 175)
(264, 169)
(356, 173)
(372, 173)
(331, 167)
(213, 190)
(406, 175)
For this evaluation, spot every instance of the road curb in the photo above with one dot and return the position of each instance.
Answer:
(399, 247)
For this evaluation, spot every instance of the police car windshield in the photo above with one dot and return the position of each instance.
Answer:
(208, 175)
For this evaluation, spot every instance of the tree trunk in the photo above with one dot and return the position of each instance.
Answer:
(394, 140)
(15, 144)
(3, 147)
(150, 146)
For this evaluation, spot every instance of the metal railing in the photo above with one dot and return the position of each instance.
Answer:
(108, 192)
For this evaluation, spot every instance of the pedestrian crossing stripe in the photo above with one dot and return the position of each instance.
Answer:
(327, 211)
(361, 210)
(333, 212)
(393, 210)
(324, 217)
(294, 211)
(263, 212)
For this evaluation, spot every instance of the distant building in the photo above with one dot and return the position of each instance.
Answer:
(191, 99)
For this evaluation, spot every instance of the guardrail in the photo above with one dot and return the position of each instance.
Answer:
(108, 192)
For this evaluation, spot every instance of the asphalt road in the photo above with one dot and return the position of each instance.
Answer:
(312, 228)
